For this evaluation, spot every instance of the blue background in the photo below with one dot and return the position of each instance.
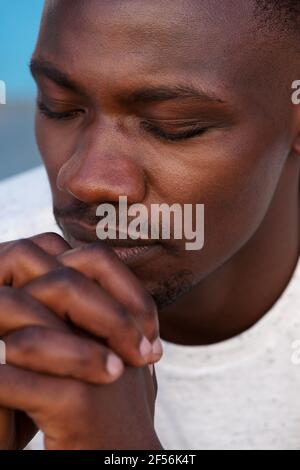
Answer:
(19, 25)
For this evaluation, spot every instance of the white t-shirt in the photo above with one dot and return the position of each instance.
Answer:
(243, 393)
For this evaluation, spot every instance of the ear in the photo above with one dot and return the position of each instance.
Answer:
(295, 98)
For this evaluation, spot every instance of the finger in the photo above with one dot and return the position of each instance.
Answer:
(29, 391)
(79, 300)
(22, 261)
(7, 429)
(99, 262)
(51, 243)
(19, 310)
(53, 403)
(62, 354)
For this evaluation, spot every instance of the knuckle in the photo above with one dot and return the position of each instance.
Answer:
(9, 295)
(90, 364)
(21, 247)
(52, 238)
(123, 317)
(5, 292)
(100, 251)
(25, 340)
(67, 277)
(149, 313)
(87, 356)
(148, 307)
(5, 245)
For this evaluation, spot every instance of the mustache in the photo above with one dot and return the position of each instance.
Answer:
(80, 211)
(85, 213)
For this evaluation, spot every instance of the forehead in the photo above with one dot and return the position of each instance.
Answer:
(167, 32)
(125, 41)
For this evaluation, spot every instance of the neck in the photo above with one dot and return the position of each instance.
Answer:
(239, 293)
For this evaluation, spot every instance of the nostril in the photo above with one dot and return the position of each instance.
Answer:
(67, 174)
(60, 180)
(92, 178)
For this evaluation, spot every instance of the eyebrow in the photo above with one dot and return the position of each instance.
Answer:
(42, 67)
(165, 93)
(143, 95)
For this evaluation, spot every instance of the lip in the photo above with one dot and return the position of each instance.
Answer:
(131, 252)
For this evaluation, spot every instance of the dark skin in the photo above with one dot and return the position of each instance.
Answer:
(46, 288)
(109, 124)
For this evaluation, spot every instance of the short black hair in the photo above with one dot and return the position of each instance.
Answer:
(284, 12)
(280, 6)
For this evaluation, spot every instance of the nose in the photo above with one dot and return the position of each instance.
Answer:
(101, 169)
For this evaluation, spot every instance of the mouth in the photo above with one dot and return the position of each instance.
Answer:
(131, 252)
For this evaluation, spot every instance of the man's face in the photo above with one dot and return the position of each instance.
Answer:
(163, 101)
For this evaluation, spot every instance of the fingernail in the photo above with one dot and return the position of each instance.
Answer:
(157, 347)
(114, 365)
(145, 347)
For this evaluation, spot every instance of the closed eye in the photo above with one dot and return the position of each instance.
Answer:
(189, 133)
(193, 130)
(60, 116)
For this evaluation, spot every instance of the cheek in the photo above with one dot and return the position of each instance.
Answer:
(235, 179)
(243, 184)
(55, 143)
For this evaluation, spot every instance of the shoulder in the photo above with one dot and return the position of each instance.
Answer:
(26, 207)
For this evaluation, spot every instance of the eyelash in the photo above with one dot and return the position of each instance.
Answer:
(188, 134)
(146, 125)
(65, 116)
